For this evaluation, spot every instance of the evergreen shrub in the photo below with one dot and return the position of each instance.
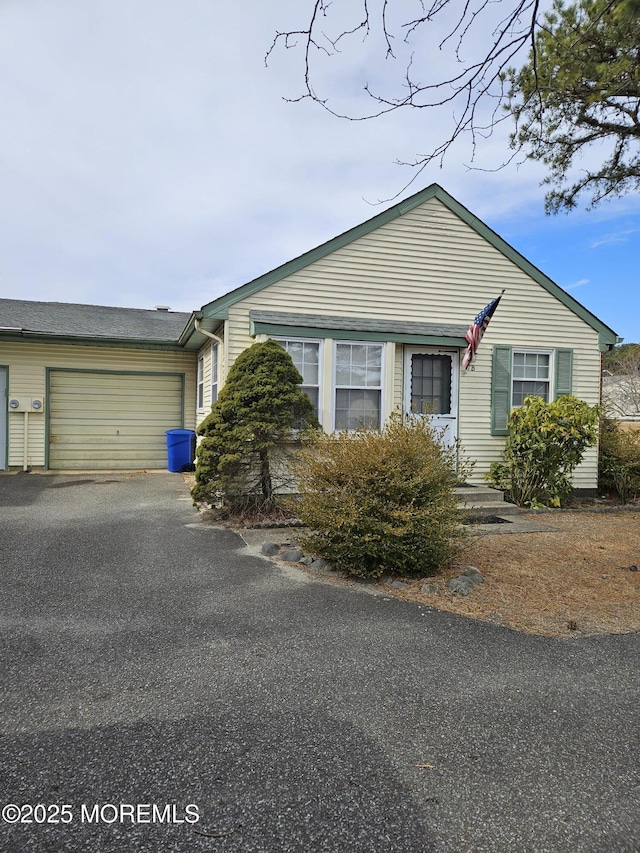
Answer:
(619, 460)
(258, 413)
(546, 442)
(379, 501)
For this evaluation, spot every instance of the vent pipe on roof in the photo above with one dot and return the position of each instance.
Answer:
(161, 307)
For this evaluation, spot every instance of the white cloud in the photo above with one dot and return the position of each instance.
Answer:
(580, 283)
(614, 238)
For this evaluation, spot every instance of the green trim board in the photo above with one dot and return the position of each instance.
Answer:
(273, 329)
(283, 324)
(124, 343)
(103, 372)
(193, 339)
(607, 337)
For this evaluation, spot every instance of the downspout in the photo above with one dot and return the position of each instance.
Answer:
(202, 331)
(25, 443)
(215, 338)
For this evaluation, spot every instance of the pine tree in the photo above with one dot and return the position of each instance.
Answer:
(260, 407)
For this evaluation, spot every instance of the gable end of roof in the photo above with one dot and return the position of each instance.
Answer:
(219, 308)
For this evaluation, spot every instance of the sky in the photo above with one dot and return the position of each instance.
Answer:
(149, 156)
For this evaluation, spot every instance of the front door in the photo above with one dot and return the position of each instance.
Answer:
(431, 388)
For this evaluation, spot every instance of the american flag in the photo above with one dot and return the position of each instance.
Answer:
(477, 330)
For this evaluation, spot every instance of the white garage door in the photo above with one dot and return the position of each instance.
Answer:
(112, 420)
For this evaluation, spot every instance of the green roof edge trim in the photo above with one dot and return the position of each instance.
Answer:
(88, 340)
(219, 307)
(606, 334)
(212, 309)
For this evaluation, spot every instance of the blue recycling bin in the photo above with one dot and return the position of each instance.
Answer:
(181, 449)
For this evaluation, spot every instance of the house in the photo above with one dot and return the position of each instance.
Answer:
(91, 387)
(375, 320)
(621, 399)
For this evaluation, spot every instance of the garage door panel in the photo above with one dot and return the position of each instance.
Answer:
(112, 420)
(63, 431)
(101, 459)
(80, 409)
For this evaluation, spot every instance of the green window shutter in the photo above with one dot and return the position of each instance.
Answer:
(500, 390)
(563, 372)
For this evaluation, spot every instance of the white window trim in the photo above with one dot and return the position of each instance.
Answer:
(215, 380)
(200, 384)
(381, 387)
(320, 343)
(532, 351)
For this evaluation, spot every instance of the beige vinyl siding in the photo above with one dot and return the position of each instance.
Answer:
(430, 266)
(205, 354)
(28, 363)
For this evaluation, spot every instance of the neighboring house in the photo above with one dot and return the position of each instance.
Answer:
(109, 381)
(621, 396)
(375, 320)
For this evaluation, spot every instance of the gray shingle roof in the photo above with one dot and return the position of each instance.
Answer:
(90, 321)
(360, 324)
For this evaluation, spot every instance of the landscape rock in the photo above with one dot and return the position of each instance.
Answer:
(430, 588)
(306, 561)
(269, 549)
(292, 555)
(473, 577)
(399, 584)
(462, 585)
(321, 565)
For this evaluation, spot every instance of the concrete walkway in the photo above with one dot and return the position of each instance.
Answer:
(148, 659)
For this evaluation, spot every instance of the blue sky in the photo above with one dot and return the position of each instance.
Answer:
(148, 157)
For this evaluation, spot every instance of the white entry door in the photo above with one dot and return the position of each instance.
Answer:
(431, 388)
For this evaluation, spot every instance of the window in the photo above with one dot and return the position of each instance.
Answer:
(214, 373)
(530, 376)
(201, 382)
(358, 385)
(306, 357)
(431, 384)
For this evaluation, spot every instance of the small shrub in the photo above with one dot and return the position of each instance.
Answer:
(619, 460)
(545, 444)
(380, 500)
(248, 428)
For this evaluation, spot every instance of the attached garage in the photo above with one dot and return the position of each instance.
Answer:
(101, 419)
(109, 382)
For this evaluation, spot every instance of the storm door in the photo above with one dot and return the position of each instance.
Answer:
(431, 388)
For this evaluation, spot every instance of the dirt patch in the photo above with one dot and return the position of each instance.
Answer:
(575, 581)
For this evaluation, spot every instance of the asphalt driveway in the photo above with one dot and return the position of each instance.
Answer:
(150, 661)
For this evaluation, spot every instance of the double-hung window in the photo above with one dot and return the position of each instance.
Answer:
(200, 391)
(306, 357)
(358, 385)
(214, 372)
(530, 376)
